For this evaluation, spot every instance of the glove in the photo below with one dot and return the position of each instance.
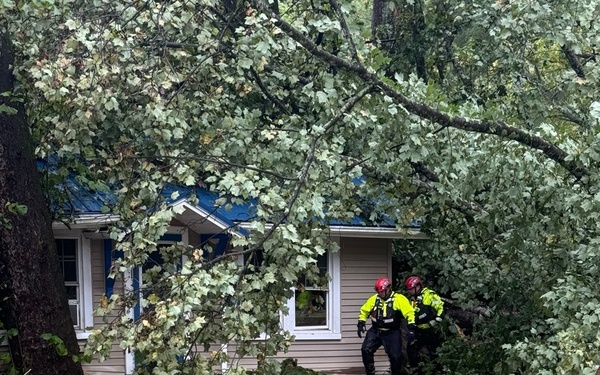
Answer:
(435, 321)
(361, 328)
(412, 334)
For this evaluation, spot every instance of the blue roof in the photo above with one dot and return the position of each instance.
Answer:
(207, 201)
(81, 201)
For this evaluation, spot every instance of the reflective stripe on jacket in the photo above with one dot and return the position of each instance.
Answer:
(428, 305)
(387, 313)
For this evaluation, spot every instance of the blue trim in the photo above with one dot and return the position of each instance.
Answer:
(135, 274)
(109, 256)
(220, 247)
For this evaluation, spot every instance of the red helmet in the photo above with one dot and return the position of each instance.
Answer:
(382, 284)
(413, 282)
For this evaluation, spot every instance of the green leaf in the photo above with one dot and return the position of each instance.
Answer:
(7, 109)
(12, 332)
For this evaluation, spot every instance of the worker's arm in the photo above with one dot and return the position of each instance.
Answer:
(436, 303)
(402, 304)
(366, 309)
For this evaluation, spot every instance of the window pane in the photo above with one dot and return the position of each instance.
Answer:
(154, 259)
(311, 307)
(70, 270)
(322, 265)
(67, 248)
(311, 297)
(67, 256)
(74, 309)
(72, 292)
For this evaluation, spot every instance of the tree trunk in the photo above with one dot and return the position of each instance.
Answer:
(33, 298)
(397, 27)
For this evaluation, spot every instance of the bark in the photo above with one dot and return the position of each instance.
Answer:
(34, 299)
(418, 27)
(573, 62)
(385, 26)
(399, 30)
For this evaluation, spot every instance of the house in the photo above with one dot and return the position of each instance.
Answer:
(325, 340)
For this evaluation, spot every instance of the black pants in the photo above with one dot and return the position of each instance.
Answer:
(426, 338)
(391, 341)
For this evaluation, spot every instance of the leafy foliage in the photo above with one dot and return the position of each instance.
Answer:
(288, 366)
(484, 124)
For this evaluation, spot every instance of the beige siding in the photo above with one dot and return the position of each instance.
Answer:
(115, 364)
(193, 238)
(362, 261)
(112, 366)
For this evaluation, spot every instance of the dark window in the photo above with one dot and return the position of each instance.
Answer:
(67, 257)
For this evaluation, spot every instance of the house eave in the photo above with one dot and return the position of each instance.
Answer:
(377, 232)
(210, 217)
(365, 232)
(86, 221)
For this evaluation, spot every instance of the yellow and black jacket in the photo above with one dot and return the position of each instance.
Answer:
(388, 313)
(427, 305)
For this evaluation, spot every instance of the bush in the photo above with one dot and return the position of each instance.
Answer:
(289, 366)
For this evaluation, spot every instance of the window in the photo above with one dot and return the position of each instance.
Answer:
(174, 236)
(315, 309)
(311, 298)
(74, 256)
(69, 264)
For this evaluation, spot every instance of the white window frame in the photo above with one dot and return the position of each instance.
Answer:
(84, 269)
(333, 329)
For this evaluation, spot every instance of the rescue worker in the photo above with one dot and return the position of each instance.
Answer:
(386, 310)
(429, 311)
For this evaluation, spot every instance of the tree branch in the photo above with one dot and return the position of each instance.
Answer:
(568, 114)
(573, 61)
(499, 129)
(457, 67)
(418, 26)
(345, 29)
(313, 147)
(266, 92)
(216, 160)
